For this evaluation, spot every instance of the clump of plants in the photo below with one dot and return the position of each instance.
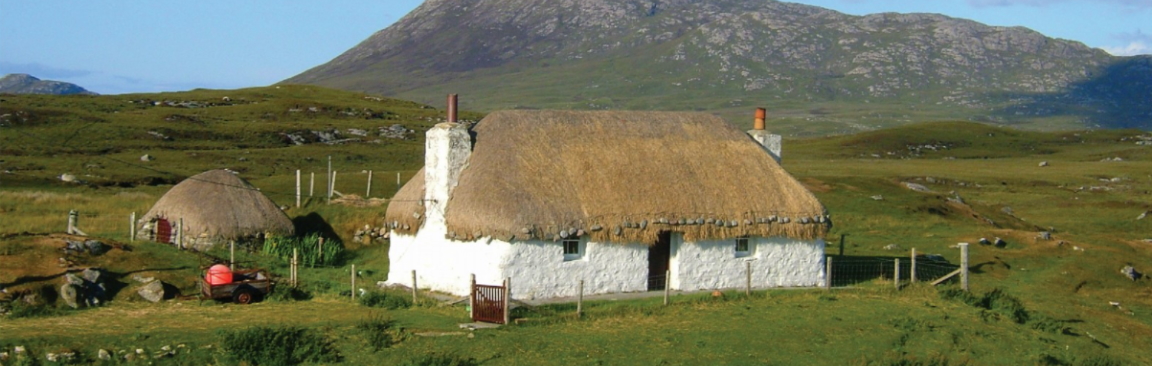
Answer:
(437, 359)
(277, 346)
(997, 304)
(379, 332)
(391, 300)
(309, 249)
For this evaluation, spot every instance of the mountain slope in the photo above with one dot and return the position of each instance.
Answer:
(720, 55)
(28, 84)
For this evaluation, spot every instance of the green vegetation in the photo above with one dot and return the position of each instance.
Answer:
(309, 249)
(277, 346)
(1034, 301)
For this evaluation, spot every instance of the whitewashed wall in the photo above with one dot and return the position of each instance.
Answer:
(776, 262)
(538, 269)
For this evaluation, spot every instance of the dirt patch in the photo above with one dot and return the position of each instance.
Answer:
(816, 185)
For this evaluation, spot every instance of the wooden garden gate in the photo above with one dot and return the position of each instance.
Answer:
(163, 231)
(490, 303)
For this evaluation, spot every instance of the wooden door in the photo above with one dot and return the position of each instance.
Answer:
(163, 231)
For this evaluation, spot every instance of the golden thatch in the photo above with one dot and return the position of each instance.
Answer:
(220, 205)
(617, 177)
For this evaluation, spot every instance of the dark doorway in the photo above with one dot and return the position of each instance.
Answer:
(163, 231)
(658, 256)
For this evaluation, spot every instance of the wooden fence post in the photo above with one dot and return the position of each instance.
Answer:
(964, 266)
(667, 285)
(328, 192)
(231, 255)
(294, 263)
(748, 278)
(353, 283)
(413, 287)
(580, 299)
(297, 188)
(912, 275)
(311, 184)
(472, 297)
(132, 227)
(507, 299)
(333, 189)
(896, 274)
(369, 191)
(180, 233)
(72, 216)
(828, 273)
(319, 251)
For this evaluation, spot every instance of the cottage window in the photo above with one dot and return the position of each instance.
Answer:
(573, 250)
(742, 247)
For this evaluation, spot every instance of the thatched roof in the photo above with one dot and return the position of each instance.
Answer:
(221, 205)
(618, 177)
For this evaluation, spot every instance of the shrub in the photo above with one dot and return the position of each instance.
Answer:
(277, 346)
(380, 332)
(434, 359)
(387, 300)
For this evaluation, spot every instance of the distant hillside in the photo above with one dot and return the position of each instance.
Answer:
(28, 84)
(806, 63)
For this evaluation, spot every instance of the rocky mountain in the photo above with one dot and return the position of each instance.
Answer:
(28, 84)
(807, 62)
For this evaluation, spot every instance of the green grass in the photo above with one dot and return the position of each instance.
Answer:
(1063, 291)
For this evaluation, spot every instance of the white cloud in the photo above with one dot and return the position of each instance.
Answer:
(1038, 3)
(1133, 48)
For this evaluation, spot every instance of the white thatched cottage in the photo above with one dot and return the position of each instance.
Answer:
(549, 198)
(212, 207)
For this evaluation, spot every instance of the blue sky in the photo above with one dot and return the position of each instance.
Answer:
(129, 46)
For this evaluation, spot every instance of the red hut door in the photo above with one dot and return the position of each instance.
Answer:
(163, 231)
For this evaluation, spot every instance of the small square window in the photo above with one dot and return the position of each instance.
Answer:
(742, 247)
(572, 250)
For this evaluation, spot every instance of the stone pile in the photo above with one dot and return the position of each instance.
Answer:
(86, 290)
(369, 234)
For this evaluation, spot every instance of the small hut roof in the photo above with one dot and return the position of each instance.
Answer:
(222, 205)
(618, 177)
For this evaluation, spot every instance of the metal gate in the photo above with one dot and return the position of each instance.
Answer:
(163, 231)
(489, 303)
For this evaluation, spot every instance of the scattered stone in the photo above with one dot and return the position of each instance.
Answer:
(51, 357)
(103, 355)
(1043, 163)
(1007, 210)
(142, 279)
(1077, 248)
(92, 275)
(1143, 215)
(95, 247)
(999, 243)
(68, 293)
(878, 198)
(1045, 235)
(916, 187)
(68, 178)
(985, 241)
(18, 350)
(153, 291)
(147, 158)
(1131, 273)
(892, 247)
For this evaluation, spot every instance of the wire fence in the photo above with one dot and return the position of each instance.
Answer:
(851, 271)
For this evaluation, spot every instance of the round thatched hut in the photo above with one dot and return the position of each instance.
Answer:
(211, 207)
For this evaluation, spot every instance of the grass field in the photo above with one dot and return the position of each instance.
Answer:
(1052, 308)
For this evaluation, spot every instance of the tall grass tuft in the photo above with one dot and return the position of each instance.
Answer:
(308, 248)
(278, 346)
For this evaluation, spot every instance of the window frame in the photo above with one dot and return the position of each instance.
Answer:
(747, 252)
(579, 245)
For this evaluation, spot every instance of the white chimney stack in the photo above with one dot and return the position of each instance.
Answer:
(770, 141)
(446, 152)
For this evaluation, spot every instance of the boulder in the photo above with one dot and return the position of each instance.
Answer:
(70, 295)
(103, 355)
(916, 187)
(153, 291)
(892, 247)
(67, 178)
(96, 247)
(1043, 163)
(1045, 235)
(93, 275)
(147, 158)
(999, 243)
(984, 241)
(1131, 273)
